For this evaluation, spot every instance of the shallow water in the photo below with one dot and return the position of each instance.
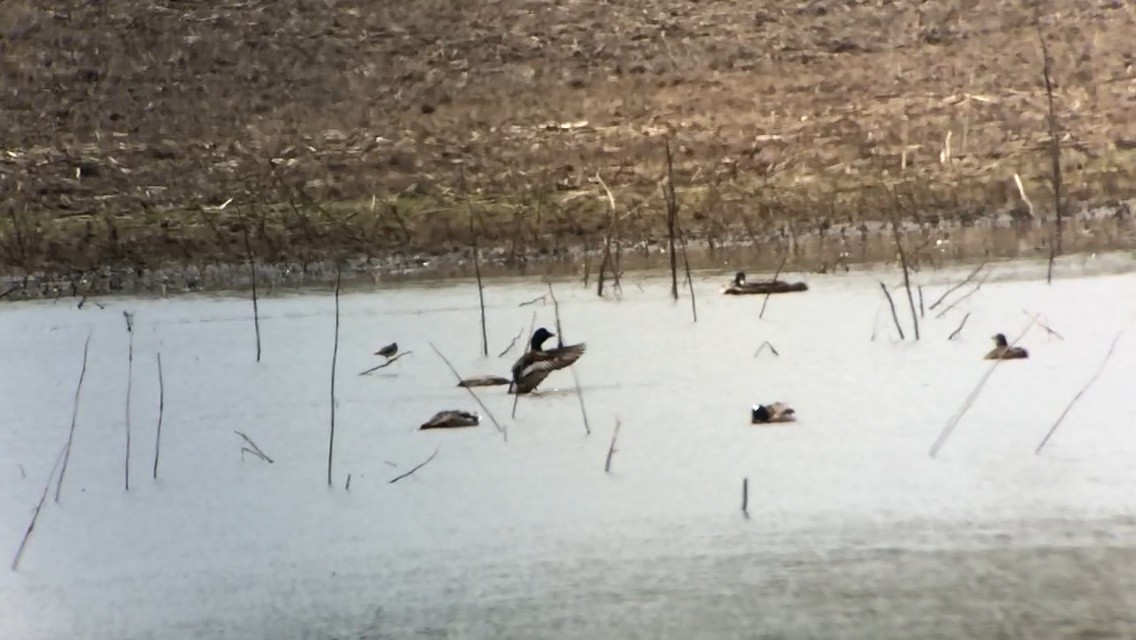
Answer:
(854, 531)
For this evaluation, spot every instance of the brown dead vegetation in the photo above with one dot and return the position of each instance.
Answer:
(138, 134)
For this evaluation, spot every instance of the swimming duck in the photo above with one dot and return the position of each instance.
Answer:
(483, 381)
(741, 287)
(1003, 351)
(534, 366)
(388, 350)
(452, 419)
(776, 412)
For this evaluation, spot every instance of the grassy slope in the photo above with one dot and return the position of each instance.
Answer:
(126, 122)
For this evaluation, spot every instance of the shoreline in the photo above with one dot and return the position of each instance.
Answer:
(837, 248)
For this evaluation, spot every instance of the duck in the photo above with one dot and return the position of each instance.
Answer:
(1003, 351)
(452, 419)
(774, 412)
(534, 366)
(740, 287)
(483, 381)
(388, 350)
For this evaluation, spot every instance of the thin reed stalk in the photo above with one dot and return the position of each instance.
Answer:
(672, 217)
(1069, 407)
(894, 315)
(415, 468)
(39, 507)
(745, 498)
(1054, 149)
(255, 305)
(457, 375)
(129, 317)
(689, 280)
(575, 377)
(74, 420)
(161, 413)
(959, 328)
(971, 398)
(776, 274)
(480, 288)
(958, 286)
(611, 448)
(334, 362)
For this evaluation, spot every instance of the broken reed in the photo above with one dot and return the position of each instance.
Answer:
(972, 397)
(689, 280)
(894, 315)
(161, 413)
(776, 274)
(129, 317)
(416, 468)
(74, 420)
(480, 288)
(38, 509)
(1054, 146)
(575, 377)
(334, 361)
(611, 448)
(252, 273)
(672, 216)
(606, 261)
(457, 375)
(1069, 407)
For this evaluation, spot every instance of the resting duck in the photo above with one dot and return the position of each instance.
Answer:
(483, 381)
(534, 366)
(776, 412)
(388, 350)
(1003, 351)
(741, 287)
(451, 420)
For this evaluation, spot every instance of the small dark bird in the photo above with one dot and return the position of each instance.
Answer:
(388, 350)
(740, 287)
(1003, 351)
(451, 420)
(532, 368)
(775, 412)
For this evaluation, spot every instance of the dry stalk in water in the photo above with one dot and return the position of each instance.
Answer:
(745, 498)
(689, 279)
(129, 317)
(480, 288)
(416, 468)
(611, 448)
(385, 364)
(471, 392)
(334, 362)
(161, 413)
(74, 419)
(964, 296)
(906, 274)
(1054, 148)
(672, 217)
(959, 328)
(252, 448)
(894, 315)
(971, 398)
(38, 509)
(575, 376)
(255, 306)
(513, 342)
(1080, 393)
(957, 286)
(776, 274)
(766, 345)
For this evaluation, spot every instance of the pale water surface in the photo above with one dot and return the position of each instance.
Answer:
(855, 532)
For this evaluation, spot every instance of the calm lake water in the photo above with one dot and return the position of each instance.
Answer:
(854, 531)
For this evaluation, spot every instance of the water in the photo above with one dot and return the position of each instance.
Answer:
(854, 532)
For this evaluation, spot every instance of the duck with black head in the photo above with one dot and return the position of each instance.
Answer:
(1003, 351)
(741, 287)
(537, 363)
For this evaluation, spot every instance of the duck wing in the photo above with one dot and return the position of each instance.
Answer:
(533, 367)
